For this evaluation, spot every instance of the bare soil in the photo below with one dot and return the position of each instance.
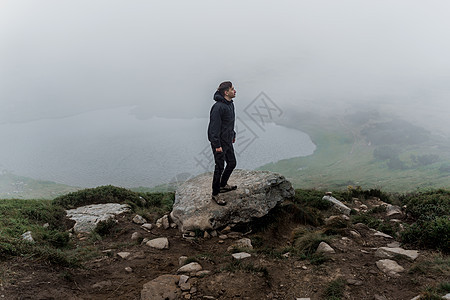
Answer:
(105, 277)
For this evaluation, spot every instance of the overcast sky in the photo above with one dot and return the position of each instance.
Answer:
(62, 57)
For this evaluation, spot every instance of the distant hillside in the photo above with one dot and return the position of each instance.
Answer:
(367, 149)
(20, 187)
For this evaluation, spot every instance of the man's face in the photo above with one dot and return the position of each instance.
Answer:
(230, 93)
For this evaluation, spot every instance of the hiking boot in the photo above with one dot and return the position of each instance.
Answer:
(217, 199)
(227, 188)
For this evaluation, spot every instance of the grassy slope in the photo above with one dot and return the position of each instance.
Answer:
(343, 157)
(13, 186)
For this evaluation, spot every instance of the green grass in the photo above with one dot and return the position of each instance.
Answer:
(52, 242)
(343, 157)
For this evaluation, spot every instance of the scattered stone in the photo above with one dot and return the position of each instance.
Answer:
(191, 233)
(144, 241)
(182, 260)
(223, 236)
(345, 217)
(209, 297)
(365, 252)
(305, 268)
(173, 225)
(416, 298)
(234, 235)
(183, 279)
(226, 229)
(302, 298)
(46, 225)
(147, 226)
(324, 248)
(241, 255)
(354, 282)
(139, 220)
(379, 297)
(206, 235)
(394, 244)
(221, 241)
(163, 287)
(244, 243)
(194, 209)
(102, 284)
(393, 211)
(123, 255)
(190, 268)
(379, 233)
(185, 286)
(135, 236)
(363, 207)
(28, 237)
(286, 255)
(163, 222)
(338, 204)
(202, 273)
(87, 217)
(214, 233)
(390, 267)
(159, 243)
(386, 252)
(355, 234)
(128, 269)
(446, 296)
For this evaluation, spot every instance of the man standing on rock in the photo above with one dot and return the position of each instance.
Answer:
(221, 134)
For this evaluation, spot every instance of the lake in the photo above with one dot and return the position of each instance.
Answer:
(112, 146)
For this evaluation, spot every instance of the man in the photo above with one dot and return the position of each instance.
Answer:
(221, 134)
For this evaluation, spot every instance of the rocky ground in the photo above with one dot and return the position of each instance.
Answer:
(133, 265)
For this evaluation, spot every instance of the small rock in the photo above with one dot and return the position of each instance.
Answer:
(174, 225)
(221, 241)
(206, 235)
(139, 220)
(123, 255)
(183, 279)
(286, 255)
(191, 234)
(393, 210)
(416, 298)
(244, 243)
(226, 229)
(223, 236)
(193, 290)
(214, 233)
(390, 267)
(46, 225)
(354, 282)
(394, 245)
(378, 233)
(202, 273)
(182, 260)
(446, 296)
(305, 268)
(365, 252)
(128, 269)
(159, 243)
(147, 226)
(163, 287)
(190, 268)
(144, 241)
(234, 235)
(28, 237)
(386, 252)
(209, 297)
(185, 286)
(324, 248)
(241, 255)
(379, 297)
(302, 298)
(102, 284)
(338, 204)
(363, 206)
(164, 221)
(355, 234)
(159, 223)
(135, 236)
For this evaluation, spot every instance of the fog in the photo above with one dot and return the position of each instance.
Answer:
(61, 58)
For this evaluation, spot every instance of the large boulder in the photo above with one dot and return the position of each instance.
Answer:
(87, 217)
(257, 193)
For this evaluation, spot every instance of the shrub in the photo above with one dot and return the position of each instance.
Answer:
(334, 290)
(105, 227)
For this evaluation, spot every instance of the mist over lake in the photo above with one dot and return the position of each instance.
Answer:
(112, 146)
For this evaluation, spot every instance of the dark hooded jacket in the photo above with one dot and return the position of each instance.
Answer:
(221, 122)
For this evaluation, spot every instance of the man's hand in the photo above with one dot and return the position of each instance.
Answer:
(219, 149)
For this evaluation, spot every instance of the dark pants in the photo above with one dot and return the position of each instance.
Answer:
(221, 176)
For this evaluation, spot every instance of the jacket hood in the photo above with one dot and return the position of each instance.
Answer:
(219, 98)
